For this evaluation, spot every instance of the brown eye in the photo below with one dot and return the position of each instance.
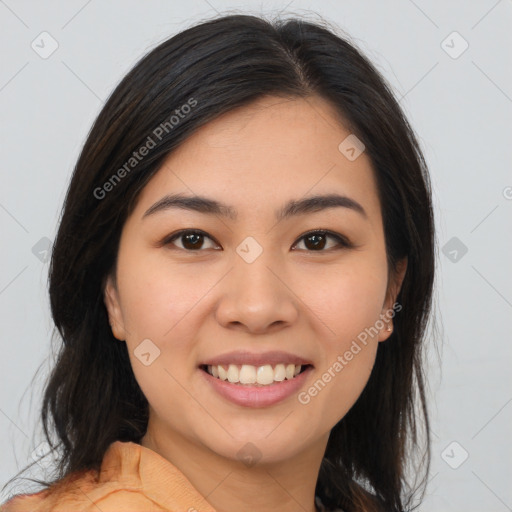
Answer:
(316, 241)
(192, 240)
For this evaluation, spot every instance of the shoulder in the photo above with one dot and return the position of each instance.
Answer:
(131, 478)
(112, 501)
(117, 486)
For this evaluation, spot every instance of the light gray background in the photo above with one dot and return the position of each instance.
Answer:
(460, 107)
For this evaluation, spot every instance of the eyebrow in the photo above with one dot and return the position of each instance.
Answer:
(293, 207)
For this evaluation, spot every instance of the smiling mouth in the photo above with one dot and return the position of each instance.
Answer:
(256, 376)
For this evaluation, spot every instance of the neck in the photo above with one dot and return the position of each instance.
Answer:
(231, 485)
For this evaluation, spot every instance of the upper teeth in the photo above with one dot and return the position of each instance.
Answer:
(249, 374)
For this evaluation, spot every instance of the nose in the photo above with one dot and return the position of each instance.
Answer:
(256, 297)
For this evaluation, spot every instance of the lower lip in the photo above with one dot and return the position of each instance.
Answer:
(257, 396)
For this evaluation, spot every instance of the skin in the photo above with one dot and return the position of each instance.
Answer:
(198, 303)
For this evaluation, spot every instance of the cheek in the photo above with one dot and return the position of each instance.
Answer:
(163, 302)
(346, 299)
(348, 304)
(158, 302)
(157, 295)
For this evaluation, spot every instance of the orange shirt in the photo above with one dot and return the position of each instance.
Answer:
(132, 478)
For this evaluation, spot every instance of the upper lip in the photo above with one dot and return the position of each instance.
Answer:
(240, 357)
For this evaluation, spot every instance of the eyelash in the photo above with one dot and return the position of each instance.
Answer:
(342, 241)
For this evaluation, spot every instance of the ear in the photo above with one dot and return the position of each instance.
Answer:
(391, 295)
(111, 300)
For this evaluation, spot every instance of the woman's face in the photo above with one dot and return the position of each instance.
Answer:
(252, 282)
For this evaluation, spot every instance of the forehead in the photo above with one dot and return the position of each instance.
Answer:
(259, 156)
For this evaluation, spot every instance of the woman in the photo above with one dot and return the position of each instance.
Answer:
(242, 278)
